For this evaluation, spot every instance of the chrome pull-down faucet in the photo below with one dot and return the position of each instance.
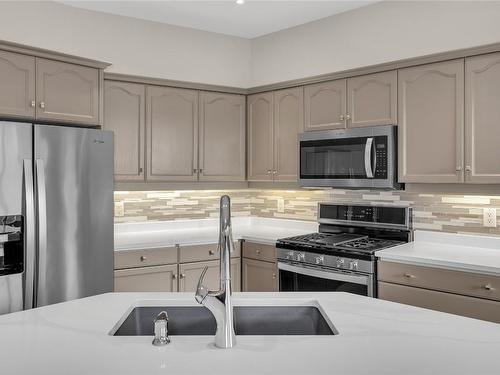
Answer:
(219, 301)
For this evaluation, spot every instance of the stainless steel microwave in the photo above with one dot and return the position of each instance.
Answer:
(350, 158)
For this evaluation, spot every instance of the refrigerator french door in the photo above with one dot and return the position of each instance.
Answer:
(58, 182)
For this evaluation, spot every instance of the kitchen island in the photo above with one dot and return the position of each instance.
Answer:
(375, 337)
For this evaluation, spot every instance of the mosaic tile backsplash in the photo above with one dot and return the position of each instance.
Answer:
(449, 213)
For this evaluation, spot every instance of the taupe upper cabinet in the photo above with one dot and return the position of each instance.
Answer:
(260, 137)
(372, 99)
(482, 119)
(124, 106)
(17, 88)
(325, 105)
(222, 137)
(288, 124)
(431, 122)
(171, 134)
(67, 92)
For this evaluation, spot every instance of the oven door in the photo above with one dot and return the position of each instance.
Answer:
(300, 278)
(361, 157)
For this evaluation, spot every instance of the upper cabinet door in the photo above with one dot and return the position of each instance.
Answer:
(222, 137)
(67, 92)
(260, 137)
(482, 119)
(171, 134)
(372, 99)
(288, 124)
(17, 88)
(325, 105)
(431, 123)
(124, 114)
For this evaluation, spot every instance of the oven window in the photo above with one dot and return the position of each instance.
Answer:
(293, 282)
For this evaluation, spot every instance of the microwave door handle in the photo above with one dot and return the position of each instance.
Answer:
(368, 157)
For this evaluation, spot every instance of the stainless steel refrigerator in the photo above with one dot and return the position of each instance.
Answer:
(56, 214)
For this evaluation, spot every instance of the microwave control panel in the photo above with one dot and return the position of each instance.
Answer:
(381, 157)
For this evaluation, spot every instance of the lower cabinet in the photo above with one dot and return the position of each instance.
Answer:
(259, 276)
(189, 274)
(446, 302)
(468, 294)
(147, 279)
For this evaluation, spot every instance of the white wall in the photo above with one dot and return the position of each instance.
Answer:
(378, 33)
(133, 46)
(382, 32)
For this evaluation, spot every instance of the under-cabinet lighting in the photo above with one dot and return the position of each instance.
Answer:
(240, 2)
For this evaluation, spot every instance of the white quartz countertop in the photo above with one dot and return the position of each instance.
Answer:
(448, 250)
(375, 337)
(130, 236)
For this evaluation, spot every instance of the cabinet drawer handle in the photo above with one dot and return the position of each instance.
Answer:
(211, 252)
(143, 258)
(408, 276)
(42, 105)
(487, 287)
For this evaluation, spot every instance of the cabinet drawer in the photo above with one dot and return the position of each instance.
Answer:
(147, 279)
(446, 302)
(199, 253)
(259, 251)
(146, 257)
(466, 283)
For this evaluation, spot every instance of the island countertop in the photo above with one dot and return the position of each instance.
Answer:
(375, 337)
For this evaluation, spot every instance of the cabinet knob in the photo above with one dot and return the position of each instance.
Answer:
(140, 170)
(348, 117)
(274, 276)
(32, 104)
(487, 287)
(143, 258)
(182, 275)
(458, 168)
(174, 276)
(42, 105)
(211, 252)
(195, 170)
(468, 168)
(268, 171)
(258, 252)
(274, 172)
(342, 118)
(408, 275)
(200, 170)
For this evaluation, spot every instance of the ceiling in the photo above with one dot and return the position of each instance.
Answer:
(252, 19)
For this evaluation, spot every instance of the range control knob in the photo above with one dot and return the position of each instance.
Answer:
(320, 259)
(353, 265)
(340, 263)
(300, 257)
(289, 255)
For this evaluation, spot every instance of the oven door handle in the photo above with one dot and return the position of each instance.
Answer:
(368, 157)
(330, 275)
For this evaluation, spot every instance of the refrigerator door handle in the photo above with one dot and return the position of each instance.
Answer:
(29, 233)
(42, 230)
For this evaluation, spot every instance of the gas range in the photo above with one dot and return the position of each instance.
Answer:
(341, 256)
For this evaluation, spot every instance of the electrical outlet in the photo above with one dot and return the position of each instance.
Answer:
(490, 217)
(281, 205)
(119, 209)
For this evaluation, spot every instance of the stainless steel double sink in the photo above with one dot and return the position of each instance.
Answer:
(248, 320)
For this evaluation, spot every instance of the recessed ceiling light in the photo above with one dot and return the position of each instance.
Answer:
(240, 2)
